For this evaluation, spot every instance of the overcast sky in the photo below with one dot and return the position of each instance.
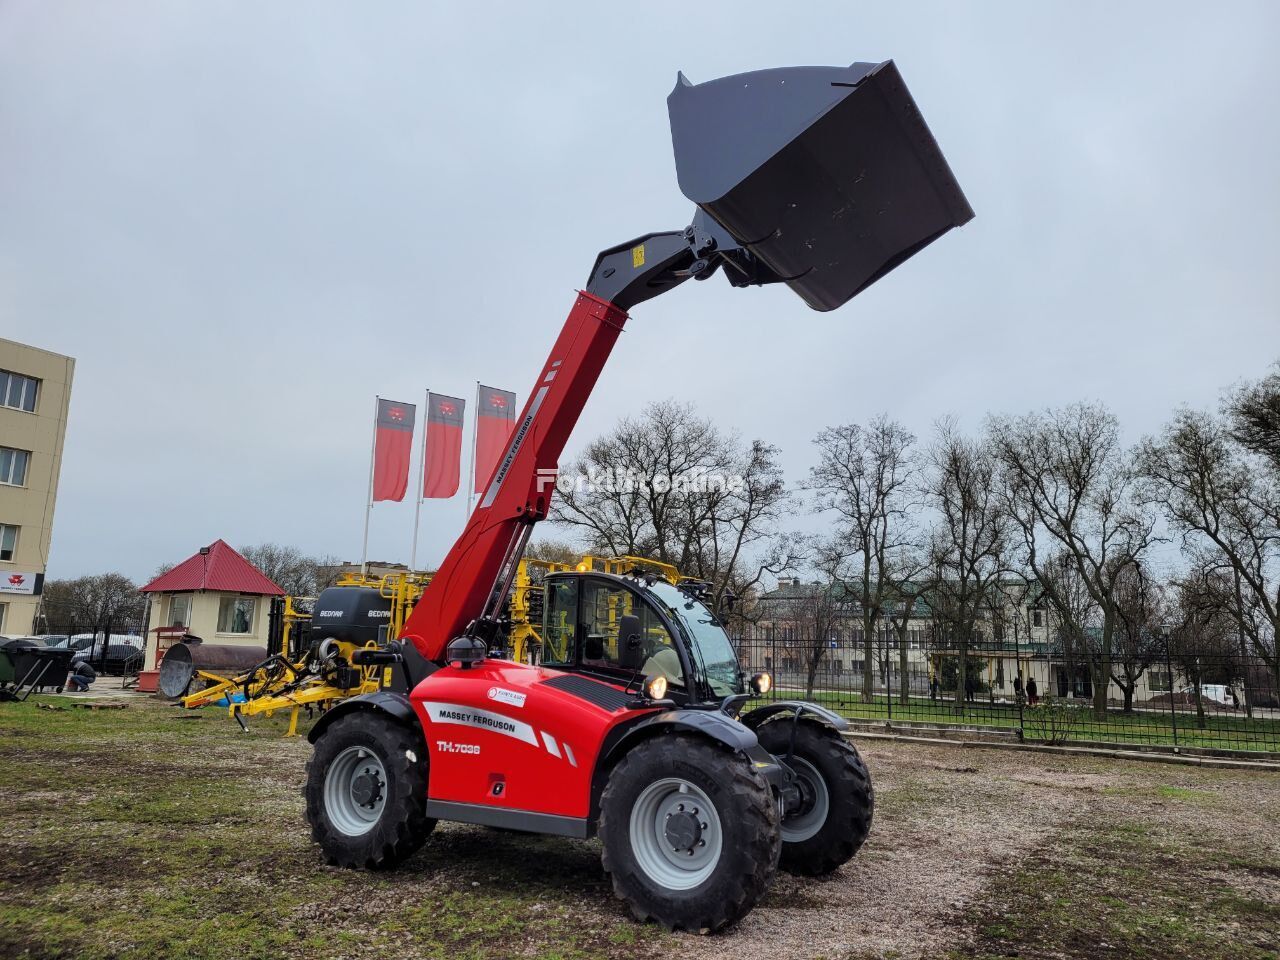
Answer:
(244, 220)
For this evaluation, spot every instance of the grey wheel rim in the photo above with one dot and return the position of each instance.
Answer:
(355, 791)
(676, 834)
(806, 825)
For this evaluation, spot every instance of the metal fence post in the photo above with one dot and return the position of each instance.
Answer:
(1173, 706)
(888, 694)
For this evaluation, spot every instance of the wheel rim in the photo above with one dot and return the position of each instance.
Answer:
(676, 834)
(805, 824)
(355, 791)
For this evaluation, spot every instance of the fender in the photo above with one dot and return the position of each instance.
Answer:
(709, 724)
(798, 708)
(394, 705)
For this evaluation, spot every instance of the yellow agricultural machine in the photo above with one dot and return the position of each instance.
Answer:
(312, 665)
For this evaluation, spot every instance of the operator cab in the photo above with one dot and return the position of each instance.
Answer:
(627, 630)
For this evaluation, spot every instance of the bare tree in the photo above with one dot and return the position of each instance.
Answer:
(1073, 614)
(1200, 639)
(99, 604)
(864, 476)
(1142, 612)
(293, 571)
(555, 551)
(671, 486)
(1253, 412)
(1069, 487)
(1226, 505)
(906, 577)
(968, 546)
(819, 612)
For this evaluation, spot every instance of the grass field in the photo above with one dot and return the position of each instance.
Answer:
(147, 833)
(1221, 731)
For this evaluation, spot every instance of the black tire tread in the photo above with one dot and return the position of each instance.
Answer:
(404, 826)
(738, 890)
(852, 796)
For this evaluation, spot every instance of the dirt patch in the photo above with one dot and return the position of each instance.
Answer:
(133, 835)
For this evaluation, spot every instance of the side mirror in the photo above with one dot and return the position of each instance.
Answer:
(630, 643)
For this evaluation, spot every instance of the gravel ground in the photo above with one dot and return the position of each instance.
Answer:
(189, 843)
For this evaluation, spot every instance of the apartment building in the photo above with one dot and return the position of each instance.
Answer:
(35, 393)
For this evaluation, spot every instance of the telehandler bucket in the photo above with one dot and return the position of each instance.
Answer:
(829, 176)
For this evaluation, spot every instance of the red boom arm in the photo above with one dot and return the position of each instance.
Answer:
(520, 489)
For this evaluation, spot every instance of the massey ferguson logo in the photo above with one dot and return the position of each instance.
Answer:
(396, 414)
(17, 579)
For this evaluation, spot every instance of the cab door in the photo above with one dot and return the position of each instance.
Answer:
(583, 616)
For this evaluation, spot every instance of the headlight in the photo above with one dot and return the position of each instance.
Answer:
(761, 683)
(655, 688)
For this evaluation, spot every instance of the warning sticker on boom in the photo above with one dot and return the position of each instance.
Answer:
(637, 257)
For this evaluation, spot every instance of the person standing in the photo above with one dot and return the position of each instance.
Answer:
(1033, 691)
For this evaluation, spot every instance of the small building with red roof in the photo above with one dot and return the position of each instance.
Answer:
(215, 594)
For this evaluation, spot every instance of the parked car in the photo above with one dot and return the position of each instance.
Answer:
(123, 650)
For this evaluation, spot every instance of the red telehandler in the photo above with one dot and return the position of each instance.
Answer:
(632, 727)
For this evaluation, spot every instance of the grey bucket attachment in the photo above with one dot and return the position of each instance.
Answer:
(829, 176)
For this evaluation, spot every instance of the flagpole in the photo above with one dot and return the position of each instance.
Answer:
(471, 474)
(373, 451)
(422, 473)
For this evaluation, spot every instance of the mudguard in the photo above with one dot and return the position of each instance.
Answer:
(395, 705)
(799, 708)
(711, 724)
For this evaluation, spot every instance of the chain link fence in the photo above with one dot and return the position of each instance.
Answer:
(1170, 698)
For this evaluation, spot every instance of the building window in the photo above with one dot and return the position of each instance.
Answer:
(235, 615)
(13, 466)
(1037, 618)
(180, 612)
(1158, 681)
(4, 613)
(8, 541)
(17, 391)
(997, 632)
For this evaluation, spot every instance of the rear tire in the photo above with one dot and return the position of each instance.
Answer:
(366, 792)
(690, 833)
(841, 802)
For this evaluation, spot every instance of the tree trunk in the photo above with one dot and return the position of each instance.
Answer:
(904, 675)
(962, 674)
(812, 677)
(868, 663)
(1102, 679)
(1128, 698)
(1200, 721)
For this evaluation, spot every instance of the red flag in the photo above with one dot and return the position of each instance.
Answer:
(444, 447)
(392, 447)
(494, 419)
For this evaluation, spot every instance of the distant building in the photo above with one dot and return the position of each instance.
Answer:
(35, 392)
(216, 595)
(1018, 639)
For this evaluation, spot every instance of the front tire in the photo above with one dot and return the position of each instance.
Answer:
(839, 802)
(690, 833)
(366, 792)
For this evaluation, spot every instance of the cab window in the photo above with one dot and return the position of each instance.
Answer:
(602, 605)
(560, 622)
